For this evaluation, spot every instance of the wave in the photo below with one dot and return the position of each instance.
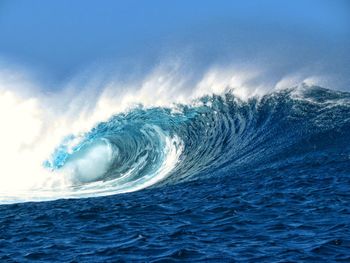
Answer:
(212, 136)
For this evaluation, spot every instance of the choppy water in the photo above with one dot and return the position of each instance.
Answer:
(222, 179)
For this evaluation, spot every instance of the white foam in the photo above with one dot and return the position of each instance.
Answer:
(90, 163)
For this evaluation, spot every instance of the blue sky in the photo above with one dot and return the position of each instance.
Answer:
(60, 38)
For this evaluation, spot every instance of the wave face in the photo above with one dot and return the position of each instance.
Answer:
(213, 136)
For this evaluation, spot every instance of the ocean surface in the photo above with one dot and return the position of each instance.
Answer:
(219, 180)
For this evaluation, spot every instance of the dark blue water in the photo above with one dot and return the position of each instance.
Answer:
(266, 180)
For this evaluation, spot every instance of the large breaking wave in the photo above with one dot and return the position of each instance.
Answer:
(220, 132)
(208, 137)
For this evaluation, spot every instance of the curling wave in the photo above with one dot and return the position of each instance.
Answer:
(127, 153)
(214, 136)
